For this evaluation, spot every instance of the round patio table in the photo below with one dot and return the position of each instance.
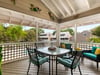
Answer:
(56, 53)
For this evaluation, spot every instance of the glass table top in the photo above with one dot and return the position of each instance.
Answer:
(58, 51)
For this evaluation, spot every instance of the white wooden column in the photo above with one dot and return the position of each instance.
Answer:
(37, 28)
(75, 37)
(57, 35)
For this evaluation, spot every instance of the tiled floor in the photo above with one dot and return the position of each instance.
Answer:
(88, 67)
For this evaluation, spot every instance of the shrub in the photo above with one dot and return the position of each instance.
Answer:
(95, 40)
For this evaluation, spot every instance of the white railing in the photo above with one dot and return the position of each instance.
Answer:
(17, 51)
(87, 46)
(83, 45)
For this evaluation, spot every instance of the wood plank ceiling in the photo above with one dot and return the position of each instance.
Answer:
(51, 12)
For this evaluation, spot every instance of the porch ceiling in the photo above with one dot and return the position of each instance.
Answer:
(63, 12)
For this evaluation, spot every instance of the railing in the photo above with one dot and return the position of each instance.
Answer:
(87, 46)
(17, 51)
(14, 51)
(83, 46)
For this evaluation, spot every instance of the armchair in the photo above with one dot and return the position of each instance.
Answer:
(72, 63)
(66, 46)
(90, 54)
(35, 59)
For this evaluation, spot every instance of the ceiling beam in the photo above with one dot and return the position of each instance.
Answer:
(87, 3)
(64, 6)
(80, 15)
(49, 8)
(57, 6)
(70, 5)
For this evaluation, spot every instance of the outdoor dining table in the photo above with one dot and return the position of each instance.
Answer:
(53, 53)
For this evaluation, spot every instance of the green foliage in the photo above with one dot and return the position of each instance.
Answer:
(66, 30)
(95, 40)
(54, 33)
(0, 60)
(96, 31)
(34, 8)
(30, 35)
(2, 33)
(15, 33)
(41, 31)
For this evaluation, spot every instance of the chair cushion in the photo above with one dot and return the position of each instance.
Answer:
(93, 49)
(65, 62)
(90, 55)
(43, 60)
(68, 46)
(97, 51)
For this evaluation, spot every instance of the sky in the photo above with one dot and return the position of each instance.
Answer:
(79, 29)
(87, 27)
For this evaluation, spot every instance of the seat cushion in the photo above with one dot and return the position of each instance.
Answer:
(40, 59)
(93, 49)
(65, 62)
(90, 55)
(68, 46)
(43, 60)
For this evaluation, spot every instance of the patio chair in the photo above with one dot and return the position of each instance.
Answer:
(72, 63)
(35, 59)
(67, 46)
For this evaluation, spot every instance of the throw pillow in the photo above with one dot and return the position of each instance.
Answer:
(97, 51)
(63, 45)
(77, 48)
(60, 45)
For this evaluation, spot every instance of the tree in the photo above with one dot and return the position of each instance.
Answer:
(66, 30)
(30, 35)
(15, 33)
(3, 36)
(96, 31)
(39, 30)
(95, 40)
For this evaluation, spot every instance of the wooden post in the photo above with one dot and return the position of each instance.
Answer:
(75, 37)
(37, 28)
(58, 35)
